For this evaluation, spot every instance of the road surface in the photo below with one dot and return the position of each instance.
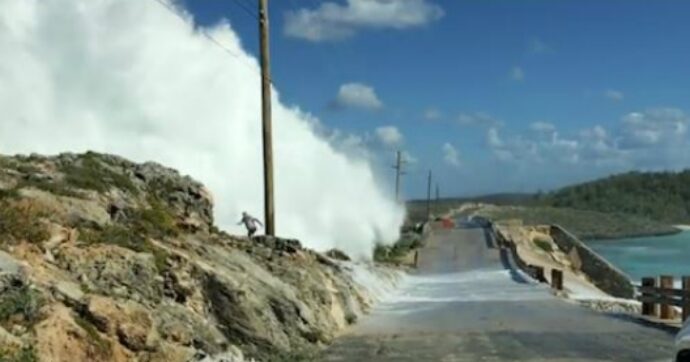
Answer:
(467, 304)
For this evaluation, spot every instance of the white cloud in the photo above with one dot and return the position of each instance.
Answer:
(537, 46)
(409, 158)
(128, 77)
(389, 136)
(493, 139)
(479, 119)
(614, 95)
(334, 21)
(542, 127)
(517, 74)
(432, 114)
(503, 155)
(652, 127)
(357, 95)
(450, 155)
(595, 133)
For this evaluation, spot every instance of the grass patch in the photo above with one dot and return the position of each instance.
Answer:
(22, 302)
(27, 168)
(20, 220)
(160, 259)
(26, 354)
(156, 221)
(126, 238)
(543, 245)
(394, 253)
(89, 173)
(114, 235)
(9, 194)
(6, 162)
(54, 187)
(101, 345)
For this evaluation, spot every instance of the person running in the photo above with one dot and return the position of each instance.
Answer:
(250, 223)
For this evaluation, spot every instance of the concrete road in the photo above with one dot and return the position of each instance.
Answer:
(467, 304)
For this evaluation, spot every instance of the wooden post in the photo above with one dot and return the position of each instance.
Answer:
(666, 310)
(539, 273)
(556, 279)
(416, 258)
(398, 173)
(428, 197)
(269, 212)
(648, 308)
(686, 298)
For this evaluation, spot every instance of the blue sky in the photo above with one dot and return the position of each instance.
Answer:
(491, 95)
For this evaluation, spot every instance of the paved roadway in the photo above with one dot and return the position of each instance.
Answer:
(467, 304)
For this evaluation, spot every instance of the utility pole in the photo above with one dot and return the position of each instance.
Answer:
(428, 197)
(269, 211)
(398, 173)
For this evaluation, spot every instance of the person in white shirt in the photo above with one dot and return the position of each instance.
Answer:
(250, 223)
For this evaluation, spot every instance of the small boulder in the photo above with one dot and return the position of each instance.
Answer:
(337, 254)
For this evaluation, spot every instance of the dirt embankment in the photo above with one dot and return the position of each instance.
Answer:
(102, 259)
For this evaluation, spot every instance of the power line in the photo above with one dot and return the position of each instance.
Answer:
(170, 8)
(246, 9)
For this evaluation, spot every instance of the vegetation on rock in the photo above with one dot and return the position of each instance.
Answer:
(26, 354)
(19, 305)
(124, 259)
(20, 220)
(399, 251)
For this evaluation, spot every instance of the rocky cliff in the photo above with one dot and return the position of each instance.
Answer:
(102, 259)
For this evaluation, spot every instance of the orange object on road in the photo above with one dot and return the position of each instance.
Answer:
(447, 223)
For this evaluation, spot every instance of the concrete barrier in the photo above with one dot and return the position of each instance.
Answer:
(600, 272)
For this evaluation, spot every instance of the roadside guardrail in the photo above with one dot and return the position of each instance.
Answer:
(658, 297)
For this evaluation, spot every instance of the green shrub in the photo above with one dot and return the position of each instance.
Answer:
(6, 162)
(26, 354)
(54, 187)
(126, 238)
(9, 194)
(101, 345)
(27, 168)
(156, 221)
(543, 245)
(91, 174)
(23, 302)
(160, 258)
(115, 235)
(20, 220)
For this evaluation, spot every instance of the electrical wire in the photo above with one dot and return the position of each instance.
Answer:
(246, 8)
(169, 7)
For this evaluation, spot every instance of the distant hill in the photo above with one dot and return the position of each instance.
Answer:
(662, 196)
(514, 198)
(416, 209)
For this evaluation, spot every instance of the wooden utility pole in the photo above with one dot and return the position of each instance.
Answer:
(398, 173)
(428, 197)
(269, 211)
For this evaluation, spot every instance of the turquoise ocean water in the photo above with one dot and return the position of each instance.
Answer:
(648, 256)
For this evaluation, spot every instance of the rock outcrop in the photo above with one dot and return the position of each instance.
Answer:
(103, 259)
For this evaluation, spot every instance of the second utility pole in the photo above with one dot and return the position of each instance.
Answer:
(269, 212)
(428, 197)
(398, 172)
